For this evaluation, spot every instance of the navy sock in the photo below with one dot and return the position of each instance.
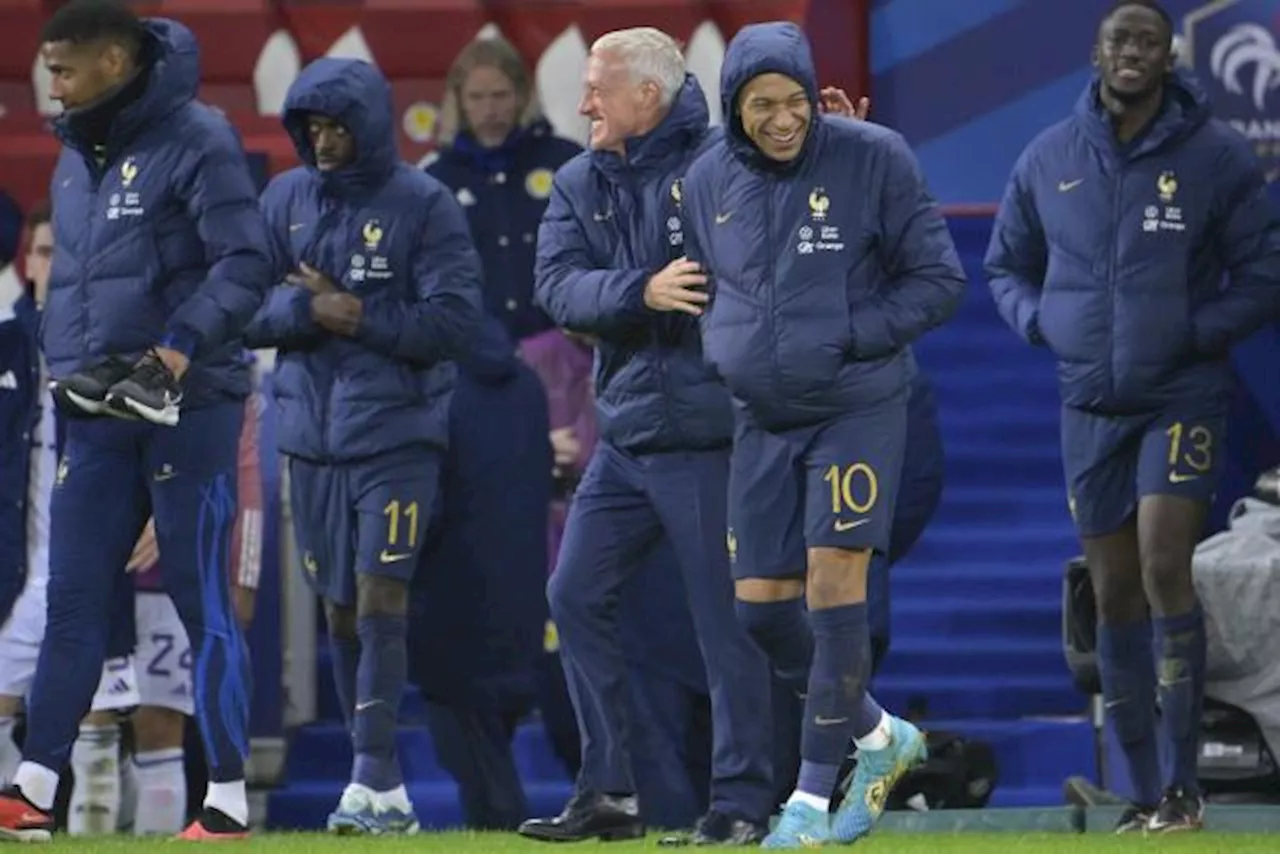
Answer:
(1181, 665)
(868, 717)
(1127, 670)
(380, 685)
(782, 630)
(837, 682)
(346, 664)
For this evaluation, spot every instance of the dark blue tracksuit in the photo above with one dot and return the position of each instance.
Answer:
(478, 613)
(504, 191)
(364, 419)
(158, 240)
(661, 466)
(1138, 266)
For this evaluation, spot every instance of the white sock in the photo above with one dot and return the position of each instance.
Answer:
(128, 796)
(878, 738)
(820, 804)
(230, 800)
(396, 799)
(162, 792)
(95, 793)
(38, 784)
(10, 755)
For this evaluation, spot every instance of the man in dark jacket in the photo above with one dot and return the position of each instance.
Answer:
(383, 293)
(609, 249)
(827, 258)
(159, 262)
(1136, 241)
(497, 154)
(479, 611)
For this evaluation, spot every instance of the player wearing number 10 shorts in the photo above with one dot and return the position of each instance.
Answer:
(827, 258)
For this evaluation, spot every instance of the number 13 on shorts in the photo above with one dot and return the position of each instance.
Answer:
(1190, 451)
(855, 489)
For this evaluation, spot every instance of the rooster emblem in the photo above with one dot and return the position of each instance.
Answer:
(1243, 46)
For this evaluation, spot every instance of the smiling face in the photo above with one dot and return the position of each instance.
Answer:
(619, 106)
(776, 115)
(1134, 53)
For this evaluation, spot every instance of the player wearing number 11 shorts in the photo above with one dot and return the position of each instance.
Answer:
(826, 258)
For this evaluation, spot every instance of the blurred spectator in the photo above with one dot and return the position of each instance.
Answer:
(478, 609)
(498, 156)
(11, 283)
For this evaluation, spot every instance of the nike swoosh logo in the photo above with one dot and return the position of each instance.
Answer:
(841, 525)
(391, 557)
(721, 219)
(601, 217)
(1181, 478)
(360, 707)
(1067, 186)
(297, 226)
(821, 721)
(161, 476)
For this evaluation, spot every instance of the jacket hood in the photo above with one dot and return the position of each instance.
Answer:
(491, 356)
(1185, 110)
(357, 96)
(681, 129)
(171, 76)
(781, 48)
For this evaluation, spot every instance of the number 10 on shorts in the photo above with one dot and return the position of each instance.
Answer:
(854, 489)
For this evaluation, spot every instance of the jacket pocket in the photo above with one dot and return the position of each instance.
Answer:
(814, 337)
(735, 342)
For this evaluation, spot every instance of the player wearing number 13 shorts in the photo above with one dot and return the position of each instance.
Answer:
(826, 258)
(1136, 242)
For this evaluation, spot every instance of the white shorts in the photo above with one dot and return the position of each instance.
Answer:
(20, 640)
(163, 654)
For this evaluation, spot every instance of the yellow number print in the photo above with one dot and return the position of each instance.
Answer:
(394, 511)
(842, 484)
(1191, 446)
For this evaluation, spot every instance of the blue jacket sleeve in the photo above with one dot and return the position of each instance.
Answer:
(284, 320)
(445, 311)
(1017, 257)
(220, 198)
(570, 289)
(1248, 241)
(926, 280)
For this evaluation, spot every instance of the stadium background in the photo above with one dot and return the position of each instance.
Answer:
(977, 605)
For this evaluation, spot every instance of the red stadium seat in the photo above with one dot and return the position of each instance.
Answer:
(733, 15)
(27, 158)
(17, 97)
(419, 39)
(20, 22)
(317, 24)
(532, 25)
(231, 35)
(678, 18)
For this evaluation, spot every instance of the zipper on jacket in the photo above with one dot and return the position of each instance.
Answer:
(96, 174)
(1113, 262)
(324, 226)
(771, 282)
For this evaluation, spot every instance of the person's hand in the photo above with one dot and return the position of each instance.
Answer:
(176, 362)
(677, 287)
(566, 446)
(339, 312)
(243, 600)
(835, 101)
(146, 553)
(312, 279)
